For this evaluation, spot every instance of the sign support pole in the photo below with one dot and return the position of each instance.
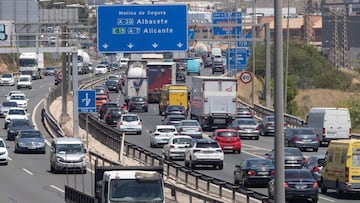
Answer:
(75, 81)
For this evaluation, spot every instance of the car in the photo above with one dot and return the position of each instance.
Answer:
(102, 89)
(315, 164)
(30, 141)
(302, 138)
(294, 158)
(101, 69)
(24, 81)
(254, 171)
(161, 135)
(104, 106)
(12, 92)
(130, 123)
(218, 67)
(208, 62)
(15, 113)
(138, 103)
(7, 79)
(4, 154)
(122, 76)
(176, 147)
(228, 139)
(267, 125)
(113, 115)
(124, 62)
(51, 70)
(175, 110)
(173, 120)
(113, 77)
(246, 128)
(100, 99)
(113, 85)
(191, 128)
(4, 108)
(204, 152)
(244, 112)
(20, 99)
(299, 185)
(17, 125)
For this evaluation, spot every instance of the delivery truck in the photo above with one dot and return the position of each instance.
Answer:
(213, 101)
(173, 95)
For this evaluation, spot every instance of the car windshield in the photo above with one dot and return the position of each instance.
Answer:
(28, 134)
(130, 118)
(7, 76)
(17, 97)
(296, 174)
(16, 112)
(70, 148)
(182, 140)
(292, 152)
(133, 190)
(20, 123)
(50, 68)
(113, 77)
(9, 104)
(259, 162)
(246, 122)
(190, 123)
(227, 134)
(207, 145)
(176, 118)
(166, 130)
(2, 144)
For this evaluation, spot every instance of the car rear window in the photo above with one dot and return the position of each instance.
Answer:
(293, 152)
(166, 130)
(182, 140)
(298, 174)
(188, 123)
(207, 145)
(259, 162)
(130, 118)
(227, 134)
(303, 132)
(138, 99)
(9, 104)
(176, 118)
(175, 108)
(16, 112)
(246, 122)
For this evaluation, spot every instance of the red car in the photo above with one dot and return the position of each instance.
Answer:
(228, 139)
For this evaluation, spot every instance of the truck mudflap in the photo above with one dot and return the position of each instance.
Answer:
(73, 195)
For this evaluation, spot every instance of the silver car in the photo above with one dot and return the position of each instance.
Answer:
(191, 128)
(6, 105)
(302, 138)
(246, 127)
(176, 147)
(294, 158)
(161, 135)
(30, 141)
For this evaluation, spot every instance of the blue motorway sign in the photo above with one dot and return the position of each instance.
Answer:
(243, 40)
(191, 34)
(86, 101)
(142, 28)
(223, 18)
(239, 55)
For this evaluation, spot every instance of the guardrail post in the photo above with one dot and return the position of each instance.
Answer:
(235, 187)
(248, 195)
(208, 181)
(186, 171)
(221, 185)
(177, 167)
(168, 169)
(197, 176)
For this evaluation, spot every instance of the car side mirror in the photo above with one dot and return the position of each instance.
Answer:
(237, 166)
(321, 162)
(85, 150)
(267, 154)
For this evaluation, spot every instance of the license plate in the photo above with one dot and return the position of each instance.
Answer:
(262, 173)
(307, 140)
(300, 186)
(228, 147)
(207, 152)
(32, 147)
(220, 121)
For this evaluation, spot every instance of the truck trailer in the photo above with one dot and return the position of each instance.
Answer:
(136, 80)
(131, 184)
(159, 74)
(213, 101)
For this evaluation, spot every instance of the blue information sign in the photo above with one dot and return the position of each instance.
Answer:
(86, 101)
(224, 18)
(243, 41)
(142, 28)
(239, 55)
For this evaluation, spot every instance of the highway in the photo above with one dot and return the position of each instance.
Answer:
(27, 178)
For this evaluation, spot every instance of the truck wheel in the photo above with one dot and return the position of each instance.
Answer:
(30, 87)
(323, 187)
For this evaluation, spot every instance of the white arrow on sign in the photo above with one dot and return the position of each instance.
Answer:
(105, 46)
(179, 44)
(155, 45)
(130, 45)
(86, 100)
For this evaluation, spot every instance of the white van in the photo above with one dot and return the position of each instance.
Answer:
(330, 123)
(24, 81)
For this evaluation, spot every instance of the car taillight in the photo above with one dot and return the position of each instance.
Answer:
(295, 139)
(315, 185)
(272, 173)
(316, 169)
(286, 185)
(286, 125)
(238, 128)
(196, 150)
(219, 150)
(303, 161)
(108, 116)
(206, 99)
(156, 134)
(251, 173)
(199, 129)
(172, 146)
(346, 174)
(181, 129)
(269, 124)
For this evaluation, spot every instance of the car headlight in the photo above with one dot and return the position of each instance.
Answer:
(41, 144)
(59, 159)
(21, 144)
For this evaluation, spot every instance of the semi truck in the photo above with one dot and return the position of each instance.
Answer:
(31, 63)
(131, 184)
(213, 101)
(83, 62)
(136, 80)
(159, 74)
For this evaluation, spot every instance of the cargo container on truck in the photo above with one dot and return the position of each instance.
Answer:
(136, 80)
(159, 74)
(31, 63)
(213, 100)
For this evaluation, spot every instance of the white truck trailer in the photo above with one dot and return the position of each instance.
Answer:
(136, 80)
(213, 101)
(31, 63)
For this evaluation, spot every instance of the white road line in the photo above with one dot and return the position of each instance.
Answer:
(251, 154)
(326, 199)
(57, 188)
(10, 158)
(33, 113)
(27, 171)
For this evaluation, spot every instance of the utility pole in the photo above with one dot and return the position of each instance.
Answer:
(335, 36)
(308, 25)
(344, 47)
(64, 86)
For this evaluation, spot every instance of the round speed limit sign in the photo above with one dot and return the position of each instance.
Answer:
(246, 77)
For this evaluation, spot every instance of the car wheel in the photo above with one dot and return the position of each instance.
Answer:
(315, 149)
(323, 187)
(257, 138)
(221, 166)
(30, 87)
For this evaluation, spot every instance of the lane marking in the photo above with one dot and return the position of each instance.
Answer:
(33, 118)
(27, 171)
(251, 154)
(326, 199)
(10, 159)
(57, 188)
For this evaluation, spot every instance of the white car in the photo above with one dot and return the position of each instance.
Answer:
(24, 81)
(130, 123)
(7, 79)
(204, 152)
(12, 92)
(15, 113)
(124, 62)
(101, 69)
(176, 147)
(20, 99)
(161, 134)
(4, 155)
